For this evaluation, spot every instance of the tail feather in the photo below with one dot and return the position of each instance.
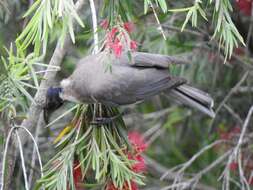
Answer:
(194, 98)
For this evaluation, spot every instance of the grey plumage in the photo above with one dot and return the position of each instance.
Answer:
(129, 81)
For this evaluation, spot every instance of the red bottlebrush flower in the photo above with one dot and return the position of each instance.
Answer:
(110, 186)
(104, 24)
(244, 6)
(133, 45)
(113, 32)
(236, 130)
(233, 166)
(228, 135)
(77, 174)
(139, 165)
(128, 26)
(134, 186)
(239, 51)
(117, 49)
(224, 135)
(113, 43)
(110, 38)
(137, 141)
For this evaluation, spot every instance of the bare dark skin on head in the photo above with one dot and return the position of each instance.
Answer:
(53, 102)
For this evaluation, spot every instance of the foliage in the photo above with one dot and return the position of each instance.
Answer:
(18, 76)
(46, 15)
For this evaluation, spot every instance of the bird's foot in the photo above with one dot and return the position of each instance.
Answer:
(104, 120)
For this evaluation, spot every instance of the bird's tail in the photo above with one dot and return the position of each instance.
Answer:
(194, 98)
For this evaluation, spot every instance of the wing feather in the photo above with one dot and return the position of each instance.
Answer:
(142, 59)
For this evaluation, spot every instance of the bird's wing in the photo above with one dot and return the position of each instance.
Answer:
(142, 59)
(158, 86)
(131, 84)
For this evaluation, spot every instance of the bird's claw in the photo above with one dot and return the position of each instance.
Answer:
(104, 120)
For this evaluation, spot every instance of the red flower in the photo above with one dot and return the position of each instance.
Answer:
(133, 45)
(113, 32)
(224, 135)
(116, 39)
(139, 165)
(244, 6)
(111, 36)
(110, 186)
(236, 130)
(233, 166)
(137, 141)
(239, 51)
(230, 134)
(113, 42)
(77, 175)
(133, 186)
(117, 49)
(104, 24)
(129, 26)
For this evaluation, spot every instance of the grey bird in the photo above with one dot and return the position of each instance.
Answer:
(130, 80)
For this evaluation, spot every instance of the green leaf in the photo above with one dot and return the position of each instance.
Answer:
(181, 9)
(188, 16)
(32, 8)
(146, 5)
(163, 5)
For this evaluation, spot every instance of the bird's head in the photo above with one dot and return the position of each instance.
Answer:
(53, 99)
(68, 91)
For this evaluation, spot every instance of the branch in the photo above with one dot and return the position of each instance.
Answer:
(232, 91)
(193, 182)
(159, 170)
(236, 156)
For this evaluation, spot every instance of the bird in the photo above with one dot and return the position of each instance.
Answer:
(132, 78)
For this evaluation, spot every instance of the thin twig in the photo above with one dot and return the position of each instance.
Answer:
(233, 113)
(231, 92)
(19, 141)
(160, 28)
(158, 169)
(33, 155)
(237, 156)
(244, 129)
(245, 89)
(193, 181)
(178, 29)
(194, 157)
(22, 160)
(5, 156)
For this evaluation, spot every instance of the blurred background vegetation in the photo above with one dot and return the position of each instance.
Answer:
(174, 132)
